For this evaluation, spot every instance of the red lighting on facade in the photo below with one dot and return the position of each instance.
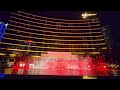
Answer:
(29, 41)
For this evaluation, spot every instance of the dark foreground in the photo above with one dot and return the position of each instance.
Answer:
(10, 73)
(55, 77)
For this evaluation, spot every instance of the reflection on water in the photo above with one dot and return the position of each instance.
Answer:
(22, 71)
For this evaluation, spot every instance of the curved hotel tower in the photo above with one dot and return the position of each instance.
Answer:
(40, 35)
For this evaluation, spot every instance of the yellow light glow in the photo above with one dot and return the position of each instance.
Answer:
(85, 15)
(54, 39)
(12, 55)
(78, 52)
(2, 54)
(94, 52)
(52, 32)
(36, 56)
(88, 77)
(104, 48)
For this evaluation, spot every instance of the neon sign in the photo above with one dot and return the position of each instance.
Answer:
(2, 29)
(85, 15)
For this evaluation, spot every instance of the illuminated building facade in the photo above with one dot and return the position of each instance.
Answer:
(109, 42)
(38, 35)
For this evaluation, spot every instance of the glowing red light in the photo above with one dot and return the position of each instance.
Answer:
(30, 41)
(104, 66)
(88, 66)
(60, 61)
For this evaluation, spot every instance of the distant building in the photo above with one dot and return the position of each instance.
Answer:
(108, 36)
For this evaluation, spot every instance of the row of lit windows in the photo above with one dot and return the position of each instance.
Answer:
(46, 18)
(50, 40)
(52, 35)
(18, 26)
(15, 46)
(31, 19)
(10, 40)
(48, 37)
(21, 37)
(54, 43)
(34, 51)
(58, 27)
(31, 30)
(50, 32)
(54, 24)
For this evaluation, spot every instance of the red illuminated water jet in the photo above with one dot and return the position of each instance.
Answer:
(61, 61)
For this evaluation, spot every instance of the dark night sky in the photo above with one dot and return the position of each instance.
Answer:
(111, 18)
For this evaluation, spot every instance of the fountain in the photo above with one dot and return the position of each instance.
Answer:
(61, 61)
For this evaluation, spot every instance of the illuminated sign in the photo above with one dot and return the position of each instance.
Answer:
(89, 77)
(85, 15)
(2, 29)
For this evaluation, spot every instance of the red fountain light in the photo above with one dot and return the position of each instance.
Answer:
(24, 61)
(60, 61)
